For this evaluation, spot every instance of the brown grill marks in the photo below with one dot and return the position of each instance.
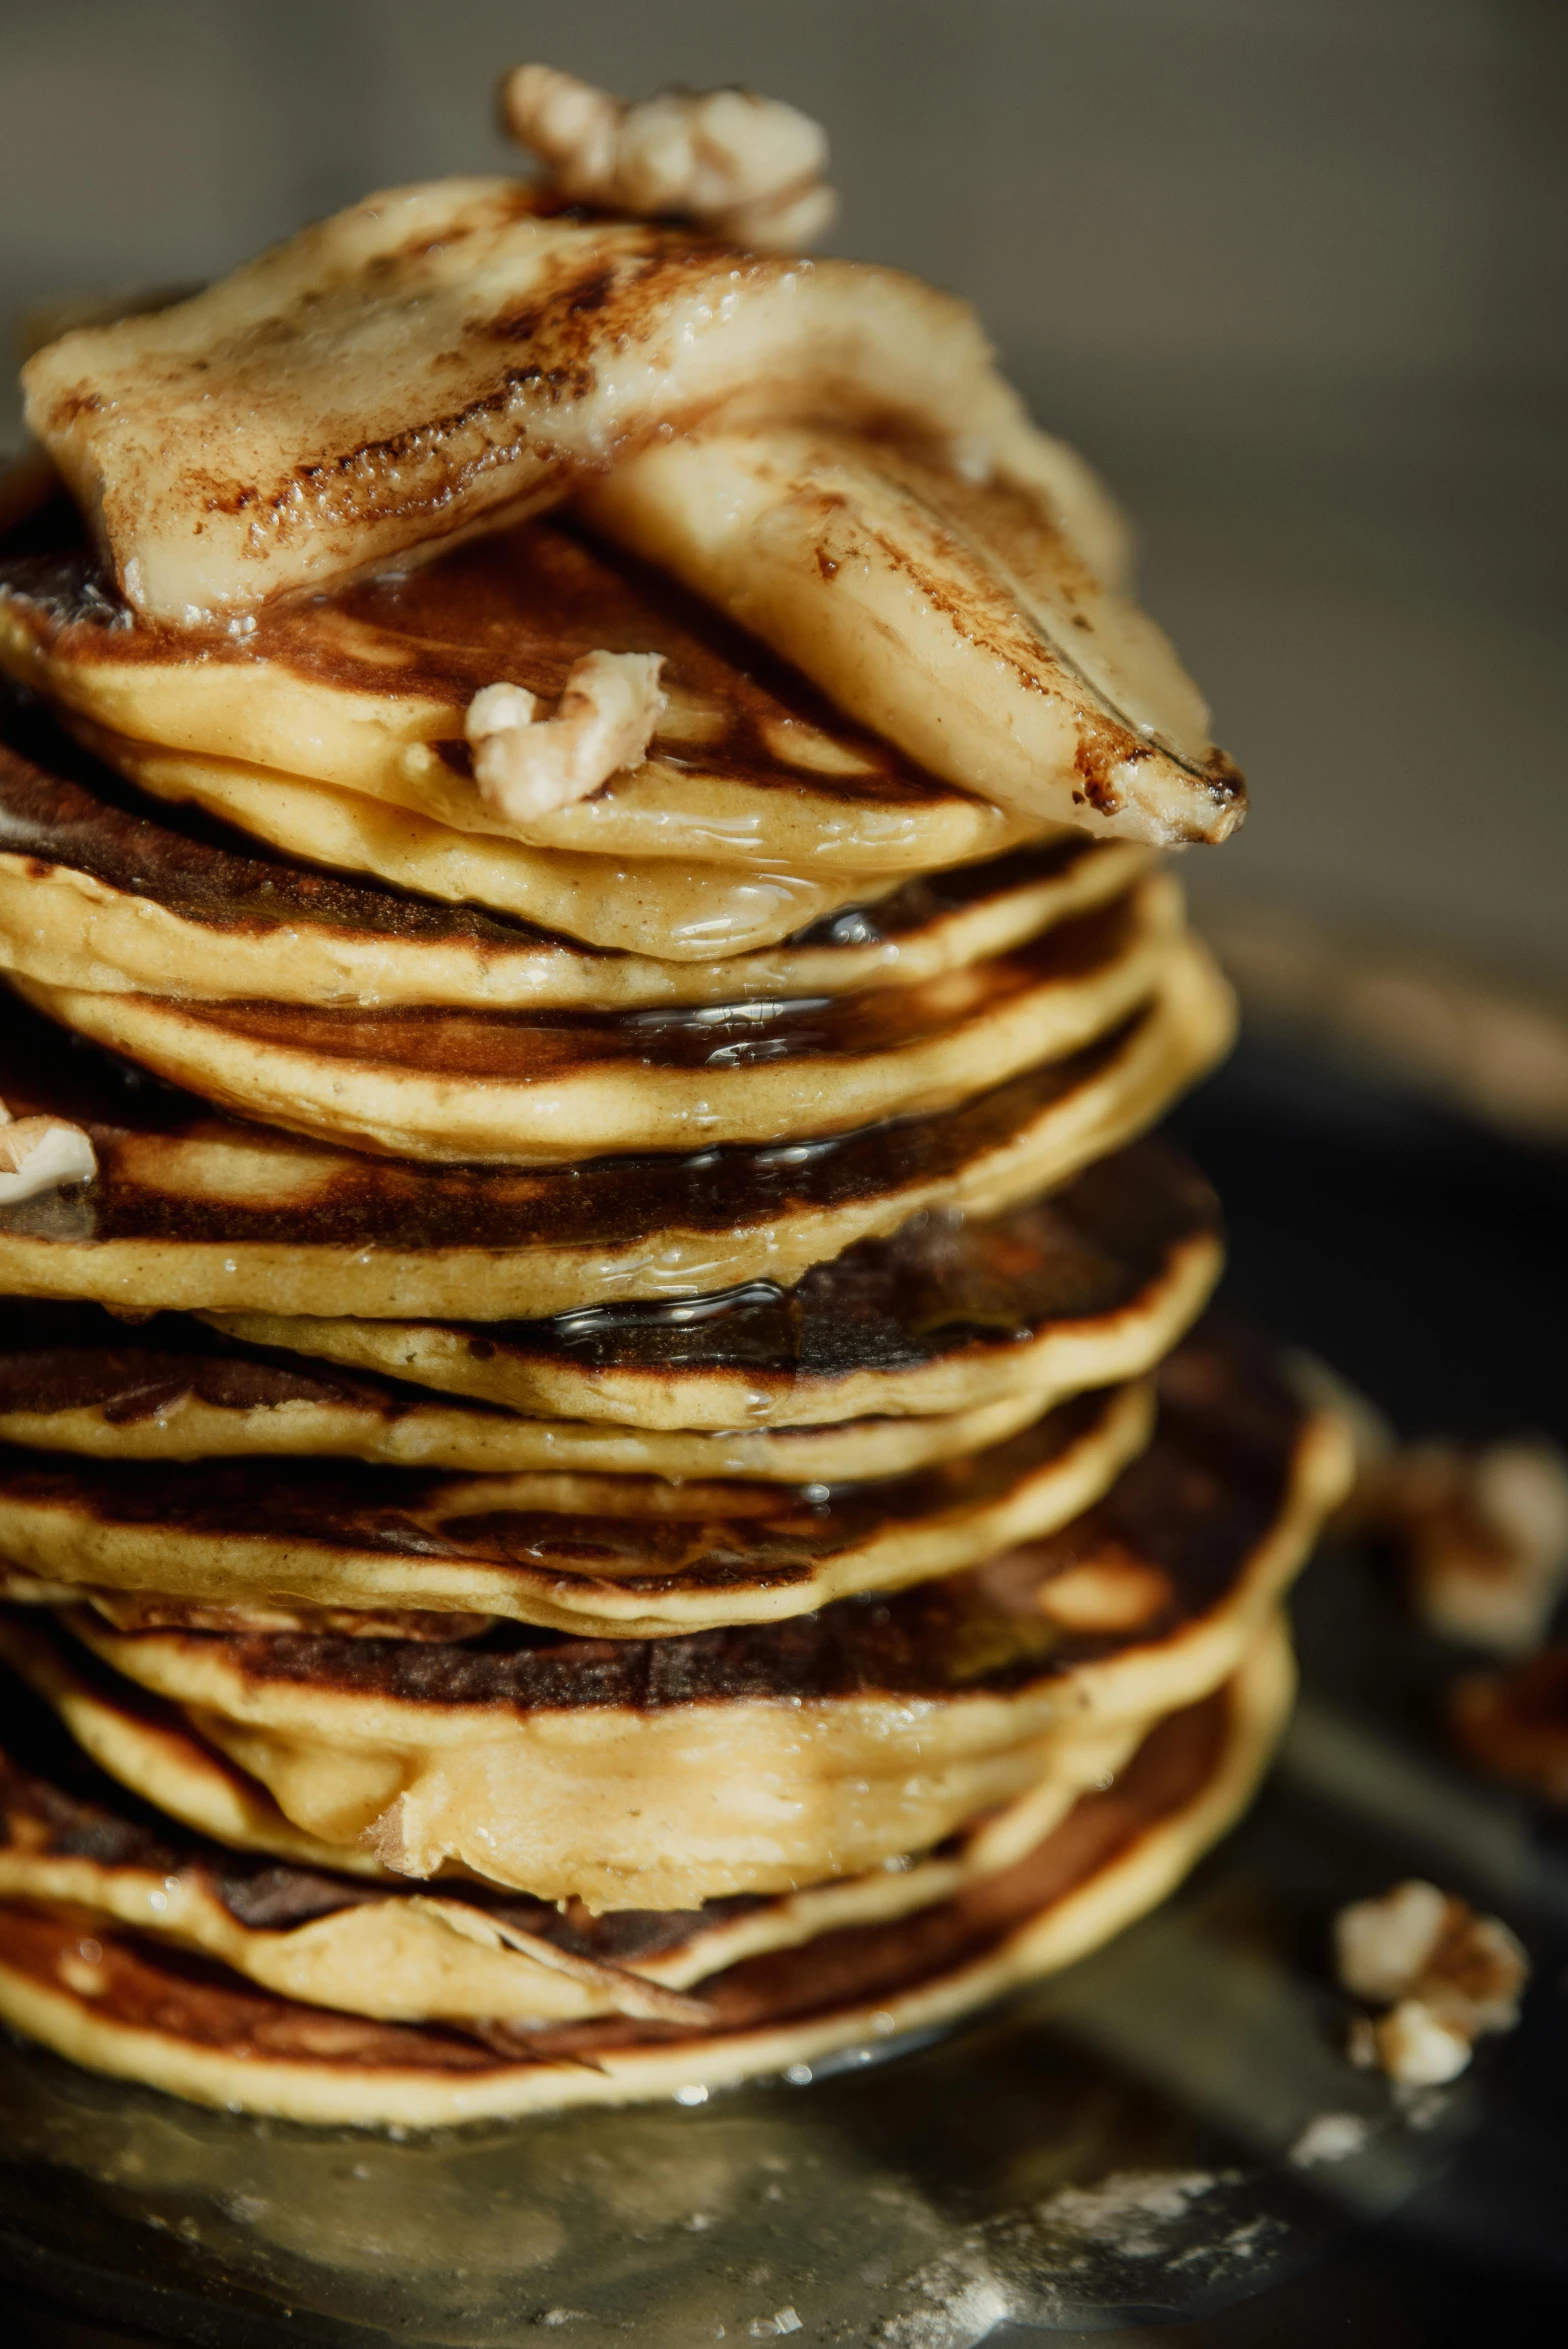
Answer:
(652, 1537)
(66, 1357)
(333, 1197)
(192, 2000)
(545, 1047)
(1194, 1506)
(940, 1286)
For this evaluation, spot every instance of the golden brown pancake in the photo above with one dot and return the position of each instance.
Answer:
(139, 2010)
(147, 1746)
(612, 1556)
(194, 1210)
(105, 889)
(660, 1773)
(366, 686)
(532, 1087)
(1093, 1283)
(390, 1950)
(72, 1379)
(658, 906)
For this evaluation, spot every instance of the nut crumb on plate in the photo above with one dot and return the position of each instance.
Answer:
(1444, 1974)
(1482, 1534)
(1515, 1723)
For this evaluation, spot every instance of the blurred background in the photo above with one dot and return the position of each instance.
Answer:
(1291, 271)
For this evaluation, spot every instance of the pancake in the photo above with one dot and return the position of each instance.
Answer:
(72, 1381)
(1093, 1283)
(69, 1836)
(532, 1087)
(192, 1210)
(147, 1746)
(103, 889)
(673, 910)
(610, 1556)
(134, 2008)
(660, 1774)
(367, 685)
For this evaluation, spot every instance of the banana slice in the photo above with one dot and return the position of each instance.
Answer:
(440, 355)
(946, 607)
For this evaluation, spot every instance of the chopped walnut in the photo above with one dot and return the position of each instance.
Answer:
(1483, 1535)
(1444, 1974)
(749, 168)
(526, 766)
(1516, 1723)
(40, 1153)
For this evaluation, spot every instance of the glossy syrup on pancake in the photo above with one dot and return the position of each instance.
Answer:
(1091, 1283)
(366, 685)
(71, 1381)
(169, 900)
(191, 1209)
(531, 1086)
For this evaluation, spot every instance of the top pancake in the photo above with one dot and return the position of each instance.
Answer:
(103, 889)
(366, 685)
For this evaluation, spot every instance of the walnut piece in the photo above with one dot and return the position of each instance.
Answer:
(1515, 1723)
(1444, 1974)
(38, 1154)
(749, 168)
(526, 766)
(1483, 1535)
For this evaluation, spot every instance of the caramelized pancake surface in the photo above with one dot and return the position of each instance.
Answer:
(193, 1210)
(761, 1756)
(1093, 1283)
(627, 1556)
(532, 1087)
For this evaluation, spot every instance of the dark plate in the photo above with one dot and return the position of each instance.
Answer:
(1168, 2136)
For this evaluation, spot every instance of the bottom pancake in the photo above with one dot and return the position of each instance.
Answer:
(71, 1838)
(142, 2010)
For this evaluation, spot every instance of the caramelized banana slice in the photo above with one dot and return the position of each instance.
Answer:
(946, 607)
(439, 355)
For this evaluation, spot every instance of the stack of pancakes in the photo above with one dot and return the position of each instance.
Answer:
(617, 1481)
